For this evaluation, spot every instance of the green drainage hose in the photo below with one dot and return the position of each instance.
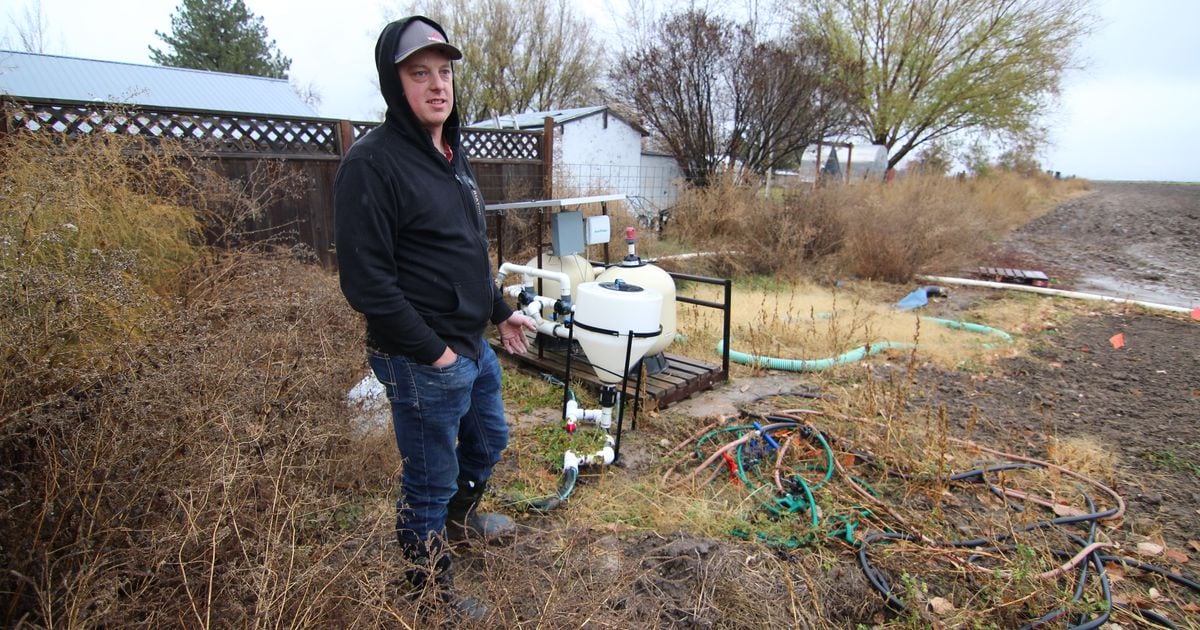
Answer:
(968, 326)
(857, 354)
(809, 365)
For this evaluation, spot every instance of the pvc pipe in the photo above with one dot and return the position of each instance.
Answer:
(1055, 292)
(685, 256)
(552, 329)
(604, 456)
(545, 326)
(575, 414)
(535, 305)
(564, 281)
(809, 365)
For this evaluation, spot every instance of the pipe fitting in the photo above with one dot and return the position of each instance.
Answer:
(564, 281)
(571, 461)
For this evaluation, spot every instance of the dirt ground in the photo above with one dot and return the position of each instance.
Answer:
(1140, 403)
(1134, 240)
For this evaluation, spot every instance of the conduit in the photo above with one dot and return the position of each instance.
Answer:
(1054, 292)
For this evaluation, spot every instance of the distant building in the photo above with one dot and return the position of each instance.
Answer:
(33, 77)
(597, 150)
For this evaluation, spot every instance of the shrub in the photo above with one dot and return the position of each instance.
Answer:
(91, 250)
(172, 422)
(210, 481)
(871, 230)
(746, 233)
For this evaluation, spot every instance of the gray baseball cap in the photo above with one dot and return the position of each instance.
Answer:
(418, 36)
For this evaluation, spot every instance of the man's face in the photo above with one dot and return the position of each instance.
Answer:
(428, 85)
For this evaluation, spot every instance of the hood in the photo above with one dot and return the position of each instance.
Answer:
(399, 113)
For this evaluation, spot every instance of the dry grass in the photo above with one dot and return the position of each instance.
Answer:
(172, 422)
(91, 252)
(802, 320)
(871, 231)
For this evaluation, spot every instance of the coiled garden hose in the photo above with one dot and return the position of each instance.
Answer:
(749, 458)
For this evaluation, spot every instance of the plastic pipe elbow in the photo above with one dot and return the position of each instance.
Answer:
(571, 461)
(532, 310)
(528, 273)
(603, 456)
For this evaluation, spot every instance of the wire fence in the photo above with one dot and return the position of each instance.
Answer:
(651, 189)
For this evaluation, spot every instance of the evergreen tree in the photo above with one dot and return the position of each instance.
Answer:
(221, 35)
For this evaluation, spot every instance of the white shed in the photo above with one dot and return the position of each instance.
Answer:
(599, 151)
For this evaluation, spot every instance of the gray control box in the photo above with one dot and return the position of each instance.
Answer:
(566, 233)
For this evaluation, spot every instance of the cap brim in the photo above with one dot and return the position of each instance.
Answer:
(451, 52)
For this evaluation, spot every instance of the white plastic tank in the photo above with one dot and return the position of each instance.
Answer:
(576, 268)
(605, 314)
(634, 270)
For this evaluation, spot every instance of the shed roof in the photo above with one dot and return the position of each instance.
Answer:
(32, 76)
(535, 120)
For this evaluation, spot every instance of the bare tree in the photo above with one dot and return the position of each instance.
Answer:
(308, 93)
(674, 84)
(715, 95)
(32, 28)
(921, 70)
(518, 56)
(788, 101)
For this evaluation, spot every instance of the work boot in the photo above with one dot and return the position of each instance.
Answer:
(431, 559)
(464, 522)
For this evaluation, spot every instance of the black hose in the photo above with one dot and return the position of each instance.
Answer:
(565, 487)
(1178, 579)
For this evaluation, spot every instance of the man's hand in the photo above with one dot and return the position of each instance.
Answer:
(512, 335)
(448, 358)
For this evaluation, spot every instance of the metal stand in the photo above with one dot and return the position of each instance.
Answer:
(629, 337)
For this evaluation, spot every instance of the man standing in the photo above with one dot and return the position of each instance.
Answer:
(413, 256)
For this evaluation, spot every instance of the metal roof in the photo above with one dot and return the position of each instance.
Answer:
(32, 77)
(536, 120)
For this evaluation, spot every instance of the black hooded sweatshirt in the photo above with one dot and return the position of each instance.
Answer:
(411, 238)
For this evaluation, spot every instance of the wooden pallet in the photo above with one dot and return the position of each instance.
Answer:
(683, 377)
(1014, 276)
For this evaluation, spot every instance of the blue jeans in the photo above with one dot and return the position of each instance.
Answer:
(450, 428)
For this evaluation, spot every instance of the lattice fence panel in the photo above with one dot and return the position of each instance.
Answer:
(502, 144)
(510, 145)
(217, 133)
(361, 128)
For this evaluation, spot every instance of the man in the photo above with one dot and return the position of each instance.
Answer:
(412, 252)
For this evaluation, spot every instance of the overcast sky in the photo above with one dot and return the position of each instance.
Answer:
(1132, 113)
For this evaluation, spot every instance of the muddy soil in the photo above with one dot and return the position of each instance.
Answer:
(1124, 239)
(1135, 240)
(1141, 402)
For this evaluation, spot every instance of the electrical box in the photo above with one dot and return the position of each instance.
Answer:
(599, 229)
(566, 233)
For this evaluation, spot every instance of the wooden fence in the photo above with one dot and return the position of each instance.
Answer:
(511, 165)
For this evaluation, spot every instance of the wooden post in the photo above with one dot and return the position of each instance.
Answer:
(849, 159)
(6, 109)
(345, 136)
(817, 171)
(547, 158)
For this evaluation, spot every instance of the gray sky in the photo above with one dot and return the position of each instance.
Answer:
(1132, 113)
